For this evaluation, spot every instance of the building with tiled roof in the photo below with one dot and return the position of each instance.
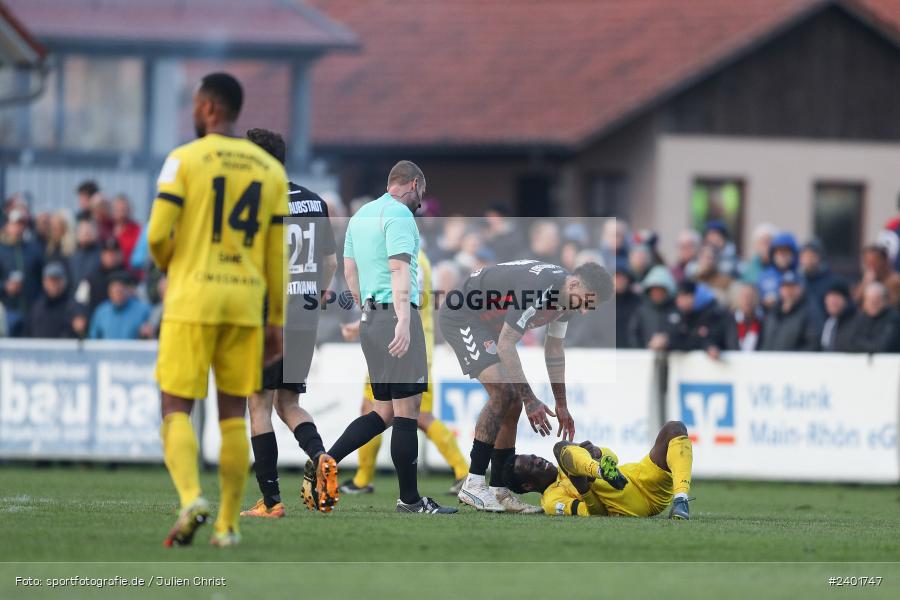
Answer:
(667, 113)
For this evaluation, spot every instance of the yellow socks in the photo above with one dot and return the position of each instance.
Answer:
(679, 457)
(234, 463)
(577, 461)
(446, 444)
(367, 454)
(180, 452)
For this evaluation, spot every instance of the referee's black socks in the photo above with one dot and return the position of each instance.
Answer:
(405, 454)
(265, 453)
(360, 431)
(309, 439)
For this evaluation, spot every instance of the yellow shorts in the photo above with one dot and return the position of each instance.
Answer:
(648, 493)
(427, 397)
(187, 350)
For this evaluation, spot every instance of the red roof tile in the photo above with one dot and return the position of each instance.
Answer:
(511, 72)
(215, 23)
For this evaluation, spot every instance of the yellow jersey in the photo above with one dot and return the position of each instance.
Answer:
(215, 227)
(561, 498)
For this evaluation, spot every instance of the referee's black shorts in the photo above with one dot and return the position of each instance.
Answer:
(393, 378)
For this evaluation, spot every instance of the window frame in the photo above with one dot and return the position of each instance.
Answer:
(737, 235)
(848, 267)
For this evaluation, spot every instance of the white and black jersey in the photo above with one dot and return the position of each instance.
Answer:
(523, 294)
(310, 239)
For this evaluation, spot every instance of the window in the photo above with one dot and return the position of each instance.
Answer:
(28, 123)
(607, 195)
(837, 223)
(10, 129)
(719, 200)
(43, 115)
(103, 103)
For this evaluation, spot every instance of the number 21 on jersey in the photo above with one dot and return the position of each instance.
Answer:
(296, 236)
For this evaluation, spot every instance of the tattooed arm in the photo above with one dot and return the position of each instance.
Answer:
(555, 359)
(536, 410)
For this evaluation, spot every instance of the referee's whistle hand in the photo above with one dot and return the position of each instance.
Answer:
(400, 344)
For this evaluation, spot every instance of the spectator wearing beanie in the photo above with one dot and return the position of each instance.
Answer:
(791, 325)
(839, 313)
(51, 315)
(652, 318)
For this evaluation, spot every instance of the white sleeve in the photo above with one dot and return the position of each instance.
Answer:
(557, 329)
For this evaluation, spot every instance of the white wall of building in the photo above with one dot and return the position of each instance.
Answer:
(779, 178)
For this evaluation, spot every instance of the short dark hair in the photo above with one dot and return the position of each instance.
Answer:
(88, 188)
(597, 279)
(269, 141)
(224, 89)
(404, 172)
(510, 479)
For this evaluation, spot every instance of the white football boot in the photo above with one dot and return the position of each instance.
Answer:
(477, 495)
(512, 504)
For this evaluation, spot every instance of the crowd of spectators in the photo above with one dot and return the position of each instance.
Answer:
(65, 277)
(89, 276)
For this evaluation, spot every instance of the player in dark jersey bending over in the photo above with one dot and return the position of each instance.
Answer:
(482, 322)
(312, 263)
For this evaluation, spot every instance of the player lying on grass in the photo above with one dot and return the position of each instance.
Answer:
(310, 243)
(589, 481)
(483, 322)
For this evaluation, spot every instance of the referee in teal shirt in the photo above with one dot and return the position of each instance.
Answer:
(381, 267)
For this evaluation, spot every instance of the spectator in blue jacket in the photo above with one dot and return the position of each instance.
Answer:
(816, 273)
(122, 315)
(783, 257)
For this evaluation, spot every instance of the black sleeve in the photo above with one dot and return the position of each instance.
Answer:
(327, 240)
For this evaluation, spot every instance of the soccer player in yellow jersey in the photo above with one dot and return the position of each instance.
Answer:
(437, 432)
(589, 481)
(215, 228)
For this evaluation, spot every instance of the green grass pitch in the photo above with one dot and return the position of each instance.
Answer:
(779, 540)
